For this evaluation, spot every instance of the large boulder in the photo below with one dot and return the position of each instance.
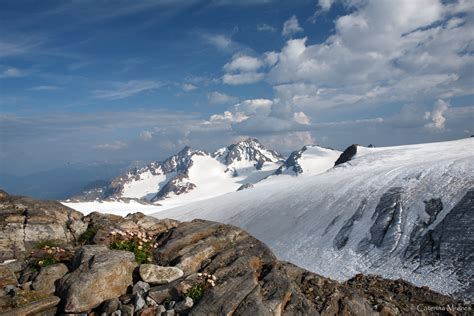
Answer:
(101, 274)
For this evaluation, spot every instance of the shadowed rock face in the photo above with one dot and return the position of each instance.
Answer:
(432, 209)
(451, 241)
(386, 231)
(292, 162)
(343, 235)
(346, 155)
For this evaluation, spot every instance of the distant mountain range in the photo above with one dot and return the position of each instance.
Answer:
(195, 174)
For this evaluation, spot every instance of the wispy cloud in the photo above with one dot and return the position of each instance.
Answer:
(13, 72)
(220, 98)
(127, 89)
(291, 26)
(24, 44)
(263, 27)
(146, 135)
(112, 146)
(223, 42)
(188, 87)
(45, 88)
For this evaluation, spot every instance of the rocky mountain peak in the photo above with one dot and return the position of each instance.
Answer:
(249, 149)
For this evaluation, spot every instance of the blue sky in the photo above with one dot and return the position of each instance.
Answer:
(88, 81)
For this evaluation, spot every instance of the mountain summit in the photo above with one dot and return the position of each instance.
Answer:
(192, 171)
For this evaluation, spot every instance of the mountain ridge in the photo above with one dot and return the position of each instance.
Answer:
(161, 180)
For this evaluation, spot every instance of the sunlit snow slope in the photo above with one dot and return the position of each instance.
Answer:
(402, 211)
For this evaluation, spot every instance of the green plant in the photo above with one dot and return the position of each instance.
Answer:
(142, 253)
(139, 243)
(196, 291)
(203, 282)
(87, 236)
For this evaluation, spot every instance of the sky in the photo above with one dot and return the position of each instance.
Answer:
(88, 81)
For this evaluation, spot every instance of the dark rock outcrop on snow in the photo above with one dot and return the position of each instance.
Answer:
(196, 268)
(245, 186)
(389, 217)
(292, 162)
(347, 155)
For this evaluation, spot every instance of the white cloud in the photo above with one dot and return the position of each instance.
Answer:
(112, 146)
(216, 97)
(265, 28)
(301, 118)
(242, 78)
(289, 141)
(383, 52)
(436, 116)
(220, 41)
(127, 89)
(146, 135)
(243, 69)
(229, 117)
(325, 4)
(243, 63)
(188, 87)
(254, 106)
(291, 27)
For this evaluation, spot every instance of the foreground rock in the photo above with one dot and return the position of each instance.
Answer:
(101, 274)
(196, 268)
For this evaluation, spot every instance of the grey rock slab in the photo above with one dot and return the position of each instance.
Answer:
(155, 274)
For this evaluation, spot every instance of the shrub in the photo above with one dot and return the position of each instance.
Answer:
(140, 244)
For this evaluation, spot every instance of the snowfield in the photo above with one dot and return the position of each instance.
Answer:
(372, 214)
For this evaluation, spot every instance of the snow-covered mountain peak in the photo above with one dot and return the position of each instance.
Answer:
(309, 160)
(249, 151)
